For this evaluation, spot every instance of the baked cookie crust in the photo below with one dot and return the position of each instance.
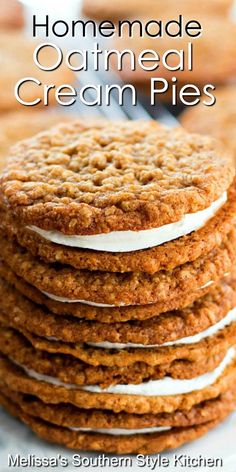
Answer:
(85, 180)
(146, 444)
(69, 416)
(117, 289)
(15, 379)
(164, 257)
(103, 315)
(71, 371)
(165, 327)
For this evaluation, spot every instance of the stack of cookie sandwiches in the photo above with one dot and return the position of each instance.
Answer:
(118, 290)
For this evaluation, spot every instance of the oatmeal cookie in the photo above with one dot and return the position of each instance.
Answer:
(134, 288)
(164, 257)
(86, 180)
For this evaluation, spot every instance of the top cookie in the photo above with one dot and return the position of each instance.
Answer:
(104, 9)
(11, 14)
(16, 63)
(90, 179)
(218, 120)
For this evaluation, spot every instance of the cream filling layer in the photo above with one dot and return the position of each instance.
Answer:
(226, 321)
(123, 432)
(127, 241)
(163, 387)
(85, 302)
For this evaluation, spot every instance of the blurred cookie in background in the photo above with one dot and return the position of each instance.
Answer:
(213, 55)
(218, 120)
(106, 10)
(17, 63)
(11, 14)
(20, 125)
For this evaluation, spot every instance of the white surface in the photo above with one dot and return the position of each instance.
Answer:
(16, 438)
(127, 241)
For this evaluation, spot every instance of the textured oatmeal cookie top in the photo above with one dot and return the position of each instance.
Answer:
(90, 179)
(19, 125)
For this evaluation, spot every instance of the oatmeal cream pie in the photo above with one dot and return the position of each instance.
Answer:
(218, 120)
(103, 9)
(165, 256)
(155, 346)
(104, 430)
(106, 315)
(105, 289)
(117, 187)
(70, 370)
(164, 395)
(118, 440)
(207, 328)
(69, 416)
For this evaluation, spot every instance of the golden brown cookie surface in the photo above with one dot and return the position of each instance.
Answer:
(164, 328)
(72, 371)
(71, 417)
(165, 256)
(17, 380)
(142, 443)
(81, 179)
(116, 289)
(103, 315)
(20, 125)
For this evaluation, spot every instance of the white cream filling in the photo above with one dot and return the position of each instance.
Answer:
(168, 386)
(163, 387)
(127, 241)
(85, 302)
(122, 432)
(226, 321)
